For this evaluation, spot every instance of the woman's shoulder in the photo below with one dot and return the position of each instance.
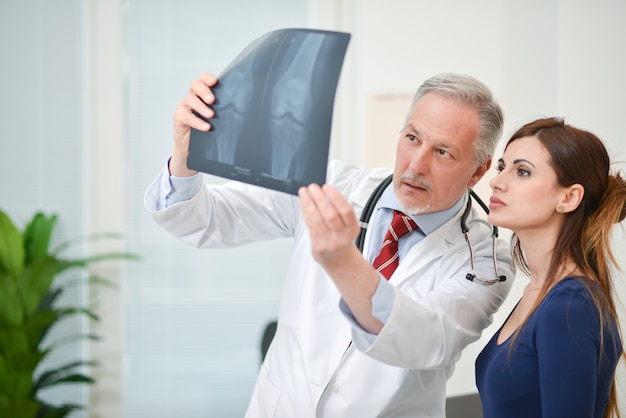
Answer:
(572, 291)
(570, 316)
(569, 305)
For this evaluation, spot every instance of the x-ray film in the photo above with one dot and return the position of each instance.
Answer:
(273, 111)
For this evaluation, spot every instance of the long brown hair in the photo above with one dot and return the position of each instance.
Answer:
(580, 157)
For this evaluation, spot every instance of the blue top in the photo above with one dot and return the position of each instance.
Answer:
(556, 367)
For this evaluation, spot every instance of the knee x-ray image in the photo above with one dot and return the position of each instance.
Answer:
(273, 111)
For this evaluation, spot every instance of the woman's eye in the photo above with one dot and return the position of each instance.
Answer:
(499, 168)
(522, 172)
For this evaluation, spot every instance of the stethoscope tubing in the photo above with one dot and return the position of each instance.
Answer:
(368, 210)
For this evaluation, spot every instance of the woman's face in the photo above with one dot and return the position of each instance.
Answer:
(525, 192)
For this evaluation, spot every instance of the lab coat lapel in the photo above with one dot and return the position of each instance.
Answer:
(433, 246)
(430, 248)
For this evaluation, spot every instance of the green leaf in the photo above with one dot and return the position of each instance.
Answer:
(74, 338)
(35, 282)
(12, 254)
(13, 340)
(84, 262)
(49, 298)
(37, 327)
(52, 411)
(73, 311)
(28, 293)
(66, 378)
(21, 408)
(91, 237)
(37, 236)
(55, 376)
(91, 280)
(11, 309)
(16, 374)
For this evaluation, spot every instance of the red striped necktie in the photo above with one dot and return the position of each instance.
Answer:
(387, 259)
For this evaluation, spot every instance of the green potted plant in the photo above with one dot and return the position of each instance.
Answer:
(28, 292)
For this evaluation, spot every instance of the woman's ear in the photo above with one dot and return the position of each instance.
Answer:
(571, 198)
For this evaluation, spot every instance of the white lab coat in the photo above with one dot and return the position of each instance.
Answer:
(311, 368)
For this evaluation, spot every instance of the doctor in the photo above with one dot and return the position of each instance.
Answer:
(354, 340)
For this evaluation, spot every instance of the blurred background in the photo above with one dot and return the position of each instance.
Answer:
(87, 94)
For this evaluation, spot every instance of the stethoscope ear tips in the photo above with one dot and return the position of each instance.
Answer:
(470, 277)
(502, 278)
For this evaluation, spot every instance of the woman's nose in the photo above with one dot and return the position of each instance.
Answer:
(496, 182)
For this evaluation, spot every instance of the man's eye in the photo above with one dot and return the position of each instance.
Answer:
(411, 137)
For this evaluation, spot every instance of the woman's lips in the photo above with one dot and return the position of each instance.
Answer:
(495, 203)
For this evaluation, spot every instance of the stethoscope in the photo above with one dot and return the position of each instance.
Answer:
(368, 210)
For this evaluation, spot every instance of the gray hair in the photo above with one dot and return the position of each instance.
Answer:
(470, 91)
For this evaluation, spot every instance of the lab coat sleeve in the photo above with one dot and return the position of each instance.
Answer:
(428, 330)
(224, 216)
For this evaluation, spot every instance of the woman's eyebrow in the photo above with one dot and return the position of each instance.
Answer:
(519, 160)
(522, 160)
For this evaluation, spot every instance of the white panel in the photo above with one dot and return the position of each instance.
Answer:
(386, 114)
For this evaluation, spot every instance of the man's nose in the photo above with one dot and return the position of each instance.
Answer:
(420, 160)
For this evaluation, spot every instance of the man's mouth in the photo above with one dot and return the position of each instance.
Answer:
(415, 183)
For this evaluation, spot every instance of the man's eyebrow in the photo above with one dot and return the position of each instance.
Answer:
(410, 127)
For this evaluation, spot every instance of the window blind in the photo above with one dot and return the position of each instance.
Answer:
(193, 319)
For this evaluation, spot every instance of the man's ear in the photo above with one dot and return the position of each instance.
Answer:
(479, 173)
(571, 198)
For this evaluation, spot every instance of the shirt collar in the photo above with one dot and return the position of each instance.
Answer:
(427, 222)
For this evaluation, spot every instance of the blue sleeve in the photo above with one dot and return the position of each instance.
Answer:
(382, 303)
(567, 342)
(167, 190)
(183, 188)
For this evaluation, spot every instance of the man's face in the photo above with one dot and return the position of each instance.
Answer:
(435, 155)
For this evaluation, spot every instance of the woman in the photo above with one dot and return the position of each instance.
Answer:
(556, 354)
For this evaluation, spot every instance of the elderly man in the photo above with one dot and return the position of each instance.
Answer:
(376, 330)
